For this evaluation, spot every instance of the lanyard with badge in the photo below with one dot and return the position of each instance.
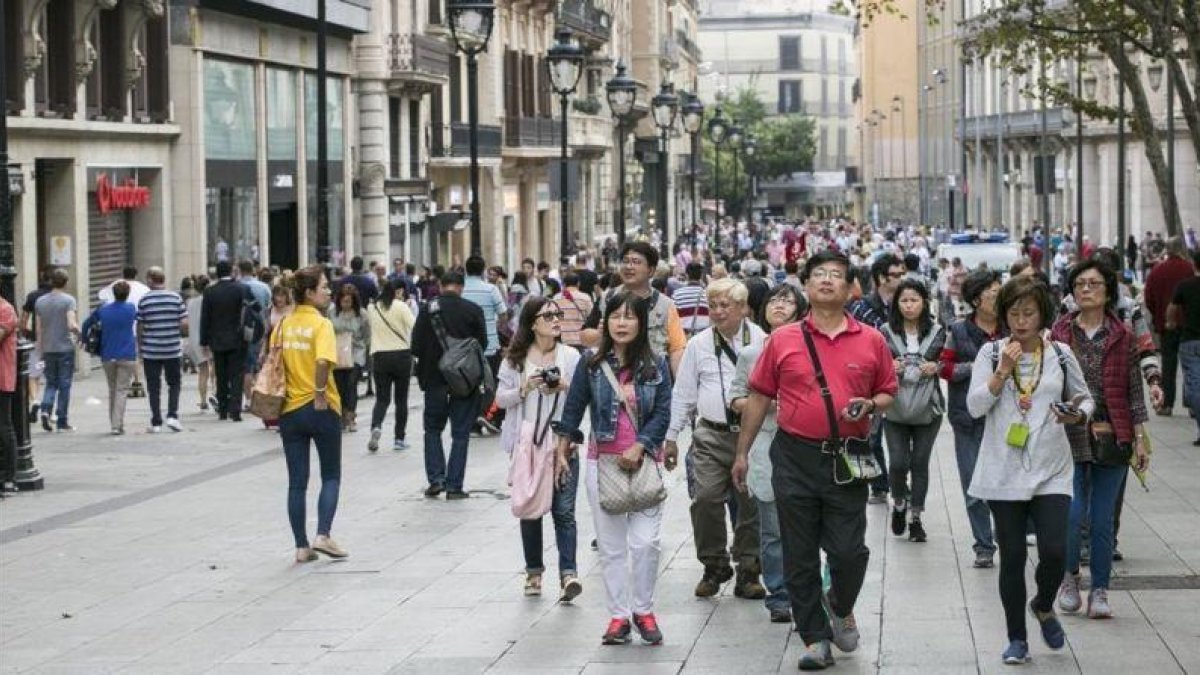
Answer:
(720, 346)
(1018, 432)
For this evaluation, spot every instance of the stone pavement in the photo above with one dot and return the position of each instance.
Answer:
(172, 554)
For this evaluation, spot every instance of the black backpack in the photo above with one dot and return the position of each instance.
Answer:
(253, 328)
(462, 363)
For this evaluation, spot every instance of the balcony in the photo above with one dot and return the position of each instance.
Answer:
(590, 134)
(453, 140)
(592, 25)
(1024, 124)
(532, 132)
(418, 62)
(687, 46)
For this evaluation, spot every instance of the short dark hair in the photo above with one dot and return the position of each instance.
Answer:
(529, 261)
(1111, 284)
(643, 249)
(59, 278)
(882, 265)
(246, 268)
(827, 256)
(695, 271)
(1109, 257)
(475, 266)
(543, 266)
(912, 262)
(570, 279)
(452, 278)
(129, 272)
(120, 291)
(976, 283)
(356, 263)
(224, 269)
(1021, 288)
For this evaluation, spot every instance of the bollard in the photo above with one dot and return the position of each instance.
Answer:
(28, 477)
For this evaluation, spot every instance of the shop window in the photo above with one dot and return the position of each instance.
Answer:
(337, 189)
(232, 215)
(281, 115)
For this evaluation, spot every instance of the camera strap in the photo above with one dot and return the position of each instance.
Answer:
(721, 346)
(826, 395)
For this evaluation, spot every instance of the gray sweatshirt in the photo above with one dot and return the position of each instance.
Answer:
(1045, 466)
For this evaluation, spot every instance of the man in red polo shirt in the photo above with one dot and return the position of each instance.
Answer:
(1161, 283)
(815, 511)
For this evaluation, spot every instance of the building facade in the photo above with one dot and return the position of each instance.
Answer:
(800, 59)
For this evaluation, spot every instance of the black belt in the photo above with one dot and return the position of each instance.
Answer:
(717, 426)
(826, 446)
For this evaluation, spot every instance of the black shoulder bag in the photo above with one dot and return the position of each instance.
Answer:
(852, 456)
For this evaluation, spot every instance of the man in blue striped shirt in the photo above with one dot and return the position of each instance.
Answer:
(162, 319)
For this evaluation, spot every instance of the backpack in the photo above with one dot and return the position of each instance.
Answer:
(92, 339)
(922, 403)
(253, 328)
(462, 363)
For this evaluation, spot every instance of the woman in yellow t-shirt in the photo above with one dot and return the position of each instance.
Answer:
(312, 410)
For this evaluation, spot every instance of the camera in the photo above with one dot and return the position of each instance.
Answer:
(733, 419)
(551, 376)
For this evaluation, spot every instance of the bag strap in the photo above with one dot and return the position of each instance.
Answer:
(825, 393)
(389, 324)
(620, 391)
(439, 327)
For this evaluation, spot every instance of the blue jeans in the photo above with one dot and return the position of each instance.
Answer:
(440, 407)
(562, 510)
(966, 451)
(60, 370)
(1096, 487)
(296, 430)
(770, 545)
(1189, 358)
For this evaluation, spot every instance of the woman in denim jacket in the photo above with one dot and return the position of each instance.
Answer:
(646, 383)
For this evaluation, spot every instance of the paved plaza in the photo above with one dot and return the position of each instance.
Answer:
(172, 554)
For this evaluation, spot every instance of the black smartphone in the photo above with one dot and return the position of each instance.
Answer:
(1065, 409)
(855, 409)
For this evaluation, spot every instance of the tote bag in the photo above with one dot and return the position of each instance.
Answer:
(270, 385)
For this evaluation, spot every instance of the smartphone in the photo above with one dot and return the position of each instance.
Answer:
(855, 409)
(1065, 409)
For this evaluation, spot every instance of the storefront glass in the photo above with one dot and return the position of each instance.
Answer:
(337, 188)
(281, 114)
(230, 149)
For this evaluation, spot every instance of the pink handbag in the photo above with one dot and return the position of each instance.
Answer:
(531, 473)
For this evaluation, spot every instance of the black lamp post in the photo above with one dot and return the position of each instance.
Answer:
(564, 61)
(471, 27)
(622, 93)
(718, 127)
(693, 120)
(735, 142)
(665, 106)
(749, 147)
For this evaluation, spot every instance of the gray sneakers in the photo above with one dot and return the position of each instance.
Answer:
(1098, 607)
(817, 656)
(1068, 594)
(845, 628)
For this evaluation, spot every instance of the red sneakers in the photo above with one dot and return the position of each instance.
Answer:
(618, 632)
(647, 626)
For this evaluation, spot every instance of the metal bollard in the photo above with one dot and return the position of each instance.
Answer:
(28, 477)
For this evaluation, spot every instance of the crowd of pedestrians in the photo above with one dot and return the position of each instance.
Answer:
(803, 363)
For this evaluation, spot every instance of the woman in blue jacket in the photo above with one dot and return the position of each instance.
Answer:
(645, 381)
(118, 350)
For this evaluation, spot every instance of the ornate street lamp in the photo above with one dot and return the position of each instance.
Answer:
(664, 106)
(718, 129)
(471, 27)
(693, 121)
(622, 94)
(749, 147)
(735, 144)
(564, 61)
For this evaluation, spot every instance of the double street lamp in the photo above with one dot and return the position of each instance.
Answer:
(693, 120)
(622, 94)
(718, 130)
(471, 27)
(665, 106)
(564, 61)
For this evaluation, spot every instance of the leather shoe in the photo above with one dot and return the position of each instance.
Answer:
(781, 615)
(710, 583)
(748, 586)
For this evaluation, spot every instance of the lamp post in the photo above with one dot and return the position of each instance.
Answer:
(693, 120)
(622, 93)
(718, 128)
(735, 142)
(471, 27)
(749, 147)
(939, 77)
(665, 106)
(564, 61)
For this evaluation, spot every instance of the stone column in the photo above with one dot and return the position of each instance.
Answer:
(372, 121)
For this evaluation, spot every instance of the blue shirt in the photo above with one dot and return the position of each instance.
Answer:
(488, 297)
(117, 340)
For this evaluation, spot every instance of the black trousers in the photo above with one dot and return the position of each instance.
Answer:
(816, 514)
(230, 367)
(8, 437)
(1050, 515)
(156, 369)
(346, 380)
(393, 373)
(1169, 344)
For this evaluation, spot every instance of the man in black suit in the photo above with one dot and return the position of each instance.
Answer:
(221, 335)
(462, 319)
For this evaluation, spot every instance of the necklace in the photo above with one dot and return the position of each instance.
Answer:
(1025, 389)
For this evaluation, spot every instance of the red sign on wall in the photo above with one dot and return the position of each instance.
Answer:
(129, 196)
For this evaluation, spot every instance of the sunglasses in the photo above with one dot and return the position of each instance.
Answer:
(551, 316)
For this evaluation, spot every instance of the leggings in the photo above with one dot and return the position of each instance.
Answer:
(1049, 514)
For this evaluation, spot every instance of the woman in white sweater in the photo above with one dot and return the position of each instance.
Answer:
(1027, 387)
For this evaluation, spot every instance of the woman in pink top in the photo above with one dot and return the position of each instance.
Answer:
(646, 386)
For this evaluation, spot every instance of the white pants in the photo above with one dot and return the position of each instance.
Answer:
(623, 539)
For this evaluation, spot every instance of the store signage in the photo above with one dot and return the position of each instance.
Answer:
(128, 196)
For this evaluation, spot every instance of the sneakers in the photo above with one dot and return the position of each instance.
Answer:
(1052, 630)
(487, 426)
(454, 495)
(710, 583)
(916, 531)
(647, 627)
(1068, 594)
(1017, 653)
(46, 421)
(983, 560)
(817, 656)
(748, 586)
(845, 632)
(1031, 540)
(1117, 555)
(533, 585)
(899, 520)
(434, 490)
(618, 632)
(399, 445)
(64, 429)
(174, 425)
(329, 547)
(373, 444)
(571, 588)
(1098, 607)
(154, 430)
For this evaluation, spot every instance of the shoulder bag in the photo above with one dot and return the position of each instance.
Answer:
(918, 403)
(852, 456)
(531, 474)
(270, 385)
(624, 491)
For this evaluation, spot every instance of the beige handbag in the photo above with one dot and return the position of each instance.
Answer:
(270, 386)
(624, 491)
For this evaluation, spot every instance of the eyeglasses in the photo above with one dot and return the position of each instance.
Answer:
(821, 273)
(1087, 284)
(782, 300)
(551, 316)
(633, 262)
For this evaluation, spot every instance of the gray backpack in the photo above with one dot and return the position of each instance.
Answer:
(462, 363)
(921, 403)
